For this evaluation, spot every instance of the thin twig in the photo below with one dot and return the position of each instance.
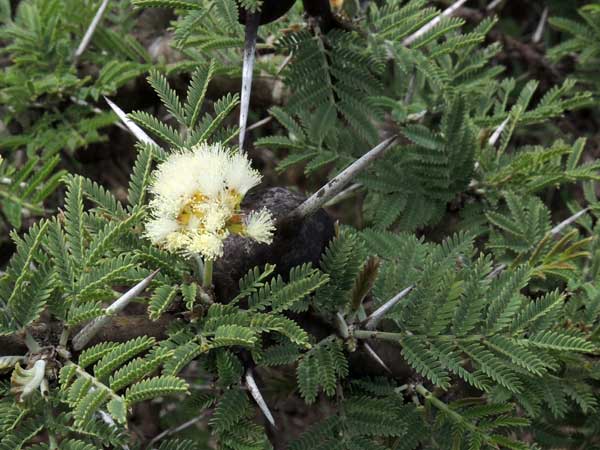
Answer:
(410, 91)
(87, 37)
(176, 429)
(430, 25)
(337, 184)
(91, 329)
(283, 65)
(378, 314)
(258, 398)
(139, 134)
(252, 24)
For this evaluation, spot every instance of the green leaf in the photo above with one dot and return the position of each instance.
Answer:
(230, 335)
(117, 408)
(167, 95)
(161, 299)
(155, 387)
(196, 93)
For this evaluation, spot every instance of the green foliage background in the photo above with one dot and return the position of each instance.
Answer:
(483, 215)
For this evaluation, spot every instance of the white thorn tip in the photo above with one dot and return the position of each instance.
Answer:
(378, 314)
(346, 193)
(496, 135)
(376, 357)
(258, 398)
(252, 24)
(430, 25)
(565, 223)
(139, 134)
(493, 5)
(497, 271)
(539, 31)
(91, 329)
(87, 37)
(337, 184)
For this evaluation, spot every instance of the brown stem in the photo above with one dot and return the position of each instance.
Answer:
(121, 328)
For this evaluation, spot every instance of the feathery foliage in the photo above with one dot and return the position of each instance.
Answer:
(461, 312)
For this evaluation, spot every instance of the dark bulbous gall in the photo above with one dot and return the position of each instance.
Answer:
(271, 10)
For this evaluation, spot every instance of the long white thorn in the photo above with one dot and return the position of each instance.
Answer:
(91, 329)
(565, 223)
(493, 5)
(378, 314)
(176, 429)
(81, 102)
(87, 37)
(430, 25)
(539, 31)
(139, 134)
(258, 398)
(496, 135)
(337, 184)
(376, 357)
(260, 123)
(346, 193)
(497, 271)
(252, 24)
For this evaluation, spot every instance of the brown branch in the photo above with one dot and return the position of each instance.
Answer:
(121, 329)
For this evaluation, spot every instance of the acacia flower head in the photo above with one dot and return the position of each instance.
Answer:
(197, 198)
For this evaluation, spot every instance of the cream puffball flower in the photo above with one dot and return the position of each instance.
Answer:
(259, 226)
(196, 202)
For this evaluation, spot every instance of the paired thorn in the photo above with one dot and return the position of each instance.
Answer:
(84, 336)
(252, 24)
(565, 223)
(176, 429)
(430, 25)
(97, 110)
(87, 37)
(378, 314)
(139, 134)
(346, 193)
(258, 398)
(498, 132)
(337, 184)
(494, 5)
(497, 271)
(376, 357)
(344, 330)
(539, 31)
